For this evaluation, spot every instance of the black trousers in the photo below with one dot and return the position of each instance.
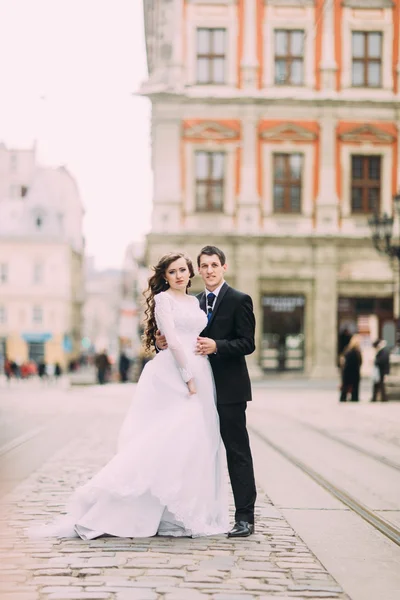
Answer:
(379, 387)
(355, 386)
(234, 434)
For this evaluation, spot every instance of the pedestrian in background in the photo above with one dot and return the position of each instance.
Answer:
(123, 367)
(381, 369)
(57, 371)
(103, 366)
(351, 370)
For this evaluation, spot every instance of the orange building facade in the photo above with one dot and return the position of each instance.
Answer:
(275, 129)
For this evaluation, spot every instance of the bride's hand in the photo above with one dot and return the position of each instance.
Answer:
(191, 387)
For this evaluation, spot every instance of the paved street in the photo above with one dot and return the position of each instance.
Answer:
(308, 543)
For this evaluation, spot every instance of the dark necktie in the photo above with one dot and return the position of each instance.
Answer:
(210, 301)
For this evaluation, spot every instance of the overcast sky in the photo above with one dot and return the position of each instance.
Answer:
(68, 73)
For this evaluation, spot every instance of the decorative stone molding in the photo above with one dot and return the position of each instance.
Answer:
(368, 4)
(211, 130)
(367, 133)
(297, 3)
(288, 131)
(212, 2)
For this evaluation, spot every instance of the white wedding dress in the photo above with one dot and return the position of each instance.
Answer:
(168, 475)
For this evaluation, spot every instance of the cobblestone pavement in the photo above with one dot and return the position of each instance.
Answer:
(272, 563)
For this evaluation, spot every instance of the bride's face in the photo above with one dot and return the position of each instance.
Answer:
(177, 275)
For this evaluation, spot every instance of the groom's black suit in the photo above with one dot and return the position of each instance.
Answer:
(232, 326)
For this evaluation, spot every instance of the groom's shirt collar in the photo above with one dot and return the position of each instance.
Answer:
(216, 292)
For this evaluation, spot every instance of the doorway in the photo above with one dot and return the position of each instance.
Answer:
(283, 333)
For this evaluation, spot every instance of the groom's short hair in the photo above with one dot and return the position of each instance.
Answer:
(210, 251)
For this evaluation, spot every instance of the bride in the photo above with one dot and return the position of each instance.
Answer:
(168, 475)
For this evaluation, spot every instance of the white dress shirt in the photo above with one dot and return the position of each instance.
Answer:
(216, 292)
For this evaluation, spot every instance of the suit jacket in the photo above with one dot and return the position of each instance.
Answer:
(232, 326)
(382, 361)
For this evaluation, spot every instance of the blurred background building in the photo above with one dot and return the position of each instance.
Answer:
(275, 136)
(101, 309)
(41, 260)
(113, 306)
(134, 281)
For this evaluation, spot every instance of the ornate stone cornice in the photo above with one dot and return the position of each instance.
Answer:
(212, 2)
(368, 4)
(211, 130)
(288, 131)
(367, 133)
(289, 3)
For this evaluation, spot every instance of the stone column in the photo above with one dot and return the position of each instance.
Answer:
(249, 200)
(168, 38)
(324, 318)
(327, 209)
(249, 66)
(247, 270)
(328, 65)
(176, 69)
(167, 193)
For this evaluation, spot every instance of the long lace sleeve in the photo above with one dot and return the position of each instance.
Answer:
(165, 322)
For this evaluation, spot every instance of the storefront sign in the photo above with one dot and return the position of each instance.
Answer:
(283, 303)
(37, 337)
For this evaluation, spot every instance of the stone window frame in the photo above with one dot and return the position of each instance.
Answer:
(211, 56)
(288, 58)
(277, 18)
(386, 154)
(362, 20)
(287, 183)
(198, 20)
(37, 314)
(210, 181)
(307, 188)
(365, 184)
(229, 148)
(38, 272)
(366, 60)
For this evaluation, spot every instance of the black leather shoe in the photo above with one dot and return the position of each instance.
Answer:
(241, 529)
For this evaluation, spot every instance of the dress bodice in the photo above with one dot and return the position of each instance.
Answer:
(180, 321)
(184, 315)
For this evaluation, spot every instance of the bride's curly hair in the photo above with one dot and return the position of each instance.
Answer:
(157, 283)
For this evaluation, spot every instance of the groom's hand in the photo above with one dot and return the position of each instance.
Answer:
(205, 346)
(161, 342)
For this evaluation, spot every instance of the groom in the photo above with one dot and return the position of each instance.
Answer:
(227, 338)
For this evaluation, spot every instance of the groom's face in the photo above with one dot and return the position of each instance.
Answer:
(211, 271)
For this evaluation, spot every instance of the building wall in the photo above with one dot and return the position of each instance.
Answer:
(22, 294)
(325, 252)
(41, 248)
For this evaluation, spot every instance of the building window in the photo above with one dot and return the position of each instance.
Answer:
(365, 183)
(13, 162)
(3, 273)
(3, 314)
(289, 57)
(210, 168)
(37, 314)
(39, 222)
(287, 182)
(211, 55)
(367, 58)
(24, 191)
(38, 273)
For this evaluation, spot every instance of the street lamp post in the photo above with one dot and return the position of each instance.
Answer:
(387, 243)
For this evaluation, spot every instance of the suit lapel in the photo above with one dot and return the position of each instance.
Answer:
(202, 300)
(221, 294)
